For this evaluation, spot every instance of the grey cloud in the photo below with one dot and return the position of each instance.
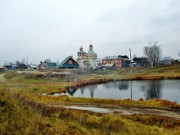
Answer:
(55, 29)
(167, 19)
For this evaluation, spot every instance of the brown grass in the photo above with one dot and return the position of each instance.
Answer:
(154, 120)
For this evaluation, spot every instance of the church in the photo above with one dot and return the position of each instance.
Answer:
(89, 59)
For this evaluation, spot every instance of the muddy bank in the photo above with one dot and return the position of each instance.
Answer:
(82, 83)
(89, 82)
(47, 109)
(154, 78)
(122, 110)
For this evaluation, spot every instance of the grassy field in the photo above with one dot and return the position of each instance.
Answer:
(24, 110)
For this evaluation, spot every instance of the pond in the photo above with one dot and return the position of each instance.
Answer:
(149, 89)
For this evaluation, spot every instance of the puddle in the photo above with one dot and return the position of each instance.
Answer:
(99, 110)
(54, 95)
(44, 94)
(92, 109)
(125, 112)
(103, 110)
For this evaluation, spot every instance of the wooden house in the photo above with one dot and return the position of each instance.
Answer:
(69, 62)
(140, 62)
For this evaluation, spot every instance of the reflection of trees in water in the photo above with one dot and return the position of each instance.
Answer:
(71, 91)
(110, 85)
(121, 85)
(82, 90)
(152, 90)
(92, 89)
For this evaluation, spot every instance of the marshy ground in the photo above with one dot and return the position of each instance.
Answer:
(2, 77)
(25, 110)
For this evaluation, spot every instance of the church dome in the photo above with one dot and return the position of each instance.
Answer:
(91, 50)
(91, 54)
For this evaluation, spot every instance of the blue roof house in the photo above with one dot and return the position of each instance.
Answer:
(69, 62)
(51, 65)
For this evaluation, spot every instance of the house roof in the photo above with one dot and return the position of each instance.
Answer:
(66, 59)
(1, 67)
(116, 57)
(51, 64)
(111, 57)
(123, 56)
(139, 59)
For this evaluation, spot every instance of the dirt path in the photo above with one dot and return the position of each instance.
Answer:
(2, 79)
(125, 110)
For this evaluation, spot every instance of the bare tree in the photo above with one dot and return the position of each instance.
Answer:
(153, 53)
(179, 53)
(23, 61)
(18, 63)
(11, 63)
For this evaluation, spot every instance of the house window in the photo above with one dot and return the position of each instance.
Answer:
(70, 62)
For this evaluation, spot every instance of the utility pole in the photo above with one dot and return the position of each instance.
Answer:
(130, 61)
(130, 71)
(131, 90)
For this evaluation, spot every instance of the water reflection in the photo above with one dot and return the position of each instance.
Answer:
(71, 91)
(82, 90)
(122, 85)
(164, 89)
(152, 90)
(92, 89)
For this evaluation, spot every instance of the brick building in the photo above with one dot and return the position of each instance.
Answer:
(119, 61)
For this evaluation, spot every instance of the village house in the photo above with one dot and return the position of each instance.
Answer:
(116, 61)
(15, 66)
(47, 64)
(69, 62)
(140, 62)
(166, 61)
(94, 63)
(1, 68)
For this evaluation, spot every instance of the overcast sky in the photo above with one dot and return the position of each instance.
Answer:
(55, 29)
